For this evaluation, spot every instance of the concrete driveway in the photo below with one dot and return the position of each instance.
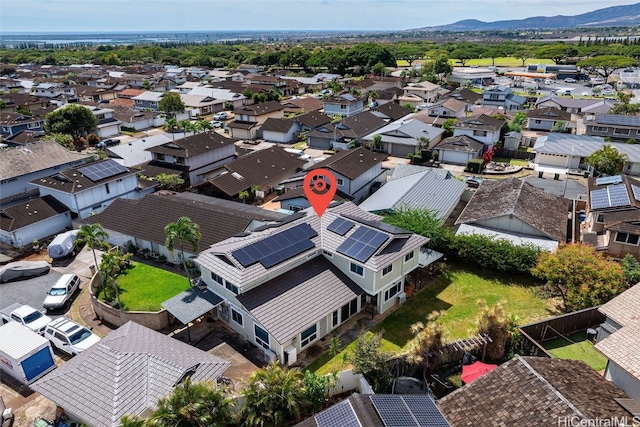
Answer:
(31, 291)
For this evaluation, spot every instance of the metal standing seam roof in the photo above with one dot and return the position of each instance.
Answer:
(299, 298)
(424, 190)
(192, 304)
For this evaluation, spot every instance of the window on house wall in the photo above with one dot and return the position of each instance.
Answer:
(621, 131)
(335, 319)
(600, 129)
(308, 336)
(479, 133)
(216, 278)
(262, 337)
(357, 269)
(391, 292)
(537, 122)
(233, 288)
(327, 253)
(160, 156)
(340, 181)
(388, 269)
(237, 317)
(408, 256)
(626, 238)
(294, 208)
(106, 187)
(180, 160)
(600, 218)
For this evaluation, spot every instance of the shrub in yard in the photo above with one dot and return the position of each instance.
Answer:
(495, 322)
(494, 253)
(371, 362)
(475, 166)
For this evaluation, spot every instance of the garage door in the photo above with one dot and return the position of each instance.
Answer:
(455, 157)
(399, 150)
(38, 364)
(552, 160)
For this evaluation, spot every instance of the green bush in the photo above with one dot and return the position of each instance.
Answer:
(127, 129)
(475, 166)
(495, 253)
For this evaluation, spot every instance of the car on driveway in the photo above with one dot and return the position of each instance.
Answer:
(69, 336)
(222, 115)
(570, 80)
(60, 294)
(108, 143)
(217, 124)
(608, 92)
(20, 270)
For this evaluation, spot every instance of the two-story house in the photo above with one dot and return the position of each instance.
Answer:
(198, 153)
(483, 128)
(148, 100)
(449, 108)
(501, 96)
(90, 188)
(12, 123)
(547, 119)
(419, 93)
(617, 127)
(53, 90)
(249, 118)
(286, 285)
(343, 105)
(22, 164)
(342, 134)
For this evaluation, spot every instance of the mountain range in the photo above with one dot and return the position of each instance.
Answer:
(614, 16)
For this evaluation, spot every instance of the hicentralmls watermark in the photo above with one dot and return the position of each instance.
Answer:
(576, 421)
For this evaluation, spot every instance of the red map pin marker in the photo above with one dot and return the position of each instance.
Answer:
(320, 186)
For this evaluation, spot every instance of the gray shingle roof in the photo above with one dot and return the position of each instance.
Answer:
(533, 392)
(299, 298)
(462, 143)
(35, 210)
(625, 308)
(479, 121)
(277, 125)
(193, 145)
(623, 348)
(19, 161)
(533, 206)
(352, 163)
(125, 373)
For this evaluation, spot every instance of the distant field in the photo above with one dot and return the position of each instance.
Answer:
(485, 62)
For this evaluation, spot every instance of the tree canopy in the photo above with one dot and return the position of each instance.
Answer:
(74, 120)
(581, 276)
(607, 160)
(171, 103)
(605, 65)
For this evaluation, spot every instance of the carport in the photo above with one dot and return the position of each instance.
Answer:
(191, 305)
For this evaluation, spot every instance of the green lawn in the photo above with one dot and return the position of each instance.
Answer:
(145, 287)
(583, 349)
(456, 293)
(514, 162)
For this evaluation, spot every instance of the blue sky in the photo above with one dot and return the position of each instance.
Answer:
(211, 15)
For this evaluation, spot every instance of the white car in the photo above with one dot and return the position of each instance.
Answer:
(69, 336)
(608, 92)
(570, 80)
(585, 93)
(217, 123)
(222, 115)
(60, 294)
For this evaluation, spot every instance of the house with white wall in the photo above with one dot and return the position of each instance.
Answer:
(286, 285)
(343, 105)
(90, 188)
(482, 128)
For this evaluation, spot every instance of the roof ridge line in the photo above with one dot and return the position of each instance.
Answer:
(548, 384)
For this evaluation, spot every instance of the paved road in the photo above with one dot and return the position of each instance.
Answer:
(31, 291)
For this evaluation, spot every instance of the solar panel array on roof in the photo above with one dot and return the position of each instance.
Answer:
(102, 170)
(397, 410)
(362, 243)
(611, 196)
(340, 226)
(339, 415)
(636, 192)
(379, 225)
(348, 97)
(277, 248)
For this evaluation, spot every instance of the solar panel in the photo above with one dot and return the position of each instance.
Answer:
(599, 199)
(636, 192)
(278, 247)
(407, 410)
(102, 170)
(605, 180)
(340, 226)
(339, 415)
(348, 97)
(362, 243)
(425, 411)
(618, 195)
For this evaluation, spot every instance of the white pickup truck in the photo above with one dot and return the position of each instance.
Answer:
(25, 315)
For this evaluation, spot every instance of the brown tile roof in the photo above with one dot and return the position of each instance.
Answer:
(28, 213)
(146, 218)
(390, 93)
(623, 348)
(466, 95)
(23, 160)
(262, 168)
(392, 110)
(313, 119)
(533, 206)
(479, 121)
(128, 115)
(549, 113)
(533, 392)
(289, 303)
(122, 102)
(130, 93)
(260, 109)
(306, 104)
(360, 125)
(193, 145)
(277, 125)
(26, 137)
(9, 119)
(460, 143)
(72, 181)
(625, 308)
(294, 193)
(237, 124)
(352, 163)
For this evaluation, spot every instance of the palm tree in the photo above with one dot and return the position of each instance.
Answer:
(274, 396)
(114, 264)
(182, 231)
(243, 195)
(94, 236)
(202, 125)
